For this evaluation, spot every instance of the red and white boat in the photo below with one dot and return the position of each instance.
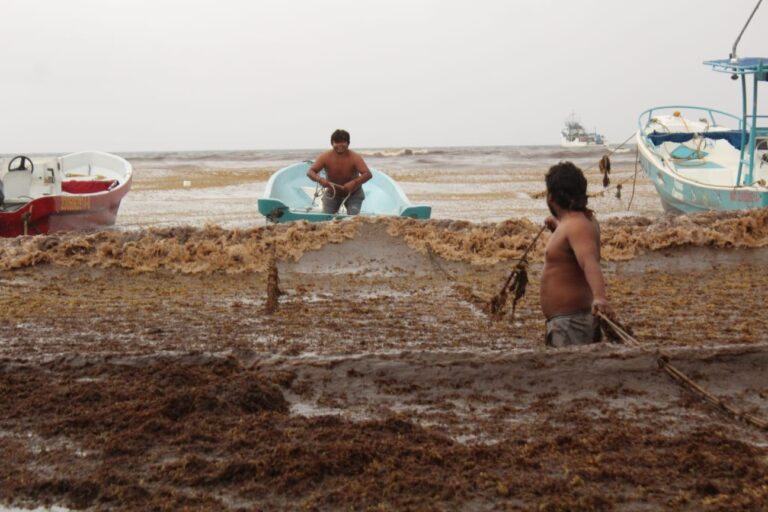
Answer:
(79, 191)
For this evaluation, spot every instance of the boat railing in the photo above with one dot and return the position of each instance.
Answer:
(712, 114)
(748, 139)
(91, 160)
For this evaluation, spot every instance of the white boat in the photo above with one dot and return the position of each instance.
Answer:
(73, 192)
(575, 136)
(703, 159)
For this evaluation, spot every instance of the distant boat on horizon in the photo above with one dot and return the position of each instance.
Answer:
(575, 136)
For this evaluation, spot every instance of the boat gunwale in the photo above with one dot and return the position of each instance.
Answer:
(664, 167)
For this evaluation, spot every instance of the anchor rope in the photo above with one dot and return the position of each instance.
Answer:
(612, 152)
(614, 329)
(620, 184)
(634, 179)
(608, 155)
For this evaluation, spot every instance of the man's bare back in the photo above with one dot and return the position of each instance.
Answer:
(572, 266)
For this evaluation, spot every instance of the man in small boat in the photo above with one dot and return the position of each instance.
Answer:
(346, 172)
(572, 285)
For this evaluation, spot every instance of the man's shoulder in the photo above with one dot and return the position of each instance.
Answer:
(324, 157)
(578, 221)
(582, 225)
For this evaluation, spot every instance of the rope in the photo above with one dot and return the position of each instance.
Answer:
(319, 190)
(614, 329)
(516, 282)
(435, 264)
(634, 179)
(538, 195)
(612, 152)
(696, 157)
(619, 185)
(344, 202)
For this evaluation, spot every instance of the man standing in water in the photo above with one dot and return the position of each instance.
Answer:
(346, 172)
(572, 285)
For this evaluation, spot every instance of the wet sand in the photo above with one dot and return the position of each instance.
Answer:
(139, 370)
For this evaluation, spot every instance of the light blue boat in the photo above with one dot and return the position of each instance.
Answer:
(703, 159)
(290, 195)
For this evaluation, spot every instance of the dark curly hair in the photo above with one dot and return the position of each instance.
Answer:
(568, 187)
(340, 136)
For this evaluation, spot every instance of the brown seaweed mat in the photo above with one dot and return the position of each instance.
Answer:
(133, 383)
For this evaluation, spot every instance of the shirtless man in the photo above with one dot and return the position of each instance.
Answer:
(572, 286)
(346, 173)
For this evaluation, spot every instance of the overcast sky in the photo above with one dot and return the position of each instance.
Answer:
(136, 75)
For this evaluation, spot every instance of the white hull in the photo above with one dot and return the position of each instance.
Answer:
(580, 144)
(699, 174)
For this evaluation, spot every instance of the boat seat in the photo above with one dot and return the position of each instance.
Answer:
(17, 184)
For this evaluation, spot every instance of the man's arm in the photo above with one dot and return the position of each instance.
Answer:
(551, 223)
(585, 242)
(364, 175)
(315, 168)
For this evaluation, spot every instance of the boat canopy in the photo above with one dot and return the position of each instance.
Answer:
(745, 66)
(757, 67)
(734, 137)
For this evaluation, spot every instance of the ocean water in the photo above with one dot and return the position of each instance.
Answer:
(476, 184)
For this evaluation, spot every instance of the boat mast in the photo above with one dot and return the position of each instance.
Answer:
(734, 58)
(755, 131)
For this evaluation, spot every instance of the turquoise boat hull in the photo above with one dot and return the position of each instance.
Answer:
(290, 195)
(684, 196)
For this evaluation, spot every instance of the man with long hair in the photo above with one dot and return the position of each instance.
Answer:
(572, 285)
(346, 171)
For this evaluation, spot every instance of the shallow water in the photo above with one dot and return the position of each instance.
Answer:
(479, 184)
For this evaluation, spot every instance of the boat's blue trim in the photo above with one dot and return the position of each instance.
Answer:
(277, 211)
(734, 137)
(417, 212)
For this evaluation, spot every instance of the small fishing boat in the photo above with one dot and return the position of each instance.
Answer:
(291, 195)
(703, 159)
(575, 136)
(74, 192)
